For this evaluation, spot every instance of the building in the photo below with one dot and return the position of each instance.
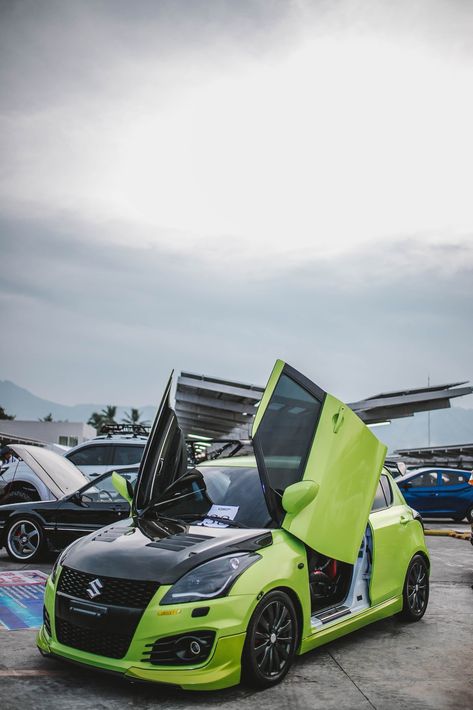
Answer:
(62, 433)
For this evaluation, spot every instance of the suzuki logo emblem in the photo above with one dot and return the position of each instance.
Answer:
(95, 588)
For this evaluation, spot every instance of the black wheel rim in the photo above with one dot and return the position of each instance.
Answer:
(23, 539)
(417, 586)
(273, 639)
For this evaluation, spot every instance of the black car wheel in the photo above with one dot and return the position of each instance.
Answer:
(271, 640)
(25, 540)
(416, 589)
(469, 514)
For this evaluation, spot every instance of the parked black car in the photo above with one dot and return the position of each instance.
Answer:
(28, 530)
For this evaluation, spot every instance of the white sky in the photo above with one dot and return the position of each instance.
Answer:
(299, 133)
(330, 141)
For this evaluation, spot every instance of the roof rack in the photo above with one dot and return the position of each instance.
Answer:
(134, 429)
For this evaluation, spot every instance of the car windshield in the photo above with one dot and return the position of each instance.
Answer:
(232, 492)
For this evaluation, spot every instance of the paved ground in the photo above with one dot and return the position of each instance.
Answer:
(388, 665)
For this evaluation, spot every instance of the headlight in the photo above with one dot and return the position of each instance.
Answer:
(210, 580)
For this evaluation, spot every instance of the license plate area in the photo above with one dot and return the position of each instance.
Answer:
(97, 617)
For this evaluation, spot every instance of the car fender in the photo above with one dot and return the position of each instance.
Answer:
(283, 566)
(21, 475)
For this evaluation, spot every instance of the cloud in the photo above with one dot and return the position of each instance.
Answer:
(284, 128)
(94, 321)
(210, 185)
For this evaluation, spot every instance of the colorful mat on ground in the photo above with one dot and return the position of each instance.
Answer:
(21, 599)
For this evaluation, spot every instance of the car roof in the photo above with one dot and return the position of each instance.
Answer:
(246, 462)
(242, 461)
(105, 439)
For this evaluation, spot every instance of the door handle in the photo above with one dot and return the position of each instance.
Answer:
(404, 519)
(338, 419)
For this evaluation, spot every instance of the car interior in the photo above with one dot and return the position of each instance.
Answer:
(336, 588)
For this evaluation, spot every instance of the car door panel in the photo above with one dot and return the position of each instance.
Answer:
(392, 546)
(425, 497)
(302, 433)
(78, 516)
(164, 458)
(455, 495)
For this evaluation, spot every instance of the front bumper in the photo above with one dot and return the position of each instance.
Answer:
(228, 617)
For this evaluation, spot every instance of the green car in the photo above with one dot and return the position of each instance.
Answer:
(230, 570)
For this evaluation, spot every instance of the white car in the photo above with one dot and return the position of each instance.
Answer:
(120, 446)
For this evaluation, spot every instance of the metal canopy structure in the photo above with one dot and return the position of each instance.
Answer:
(215, 408)
(455, 456)
(405, 403)
(210, 407)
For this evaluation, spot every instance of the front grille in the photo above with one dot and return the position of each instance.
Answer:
(46, 621)
(102, 644)
(134, 594)
(182, 650)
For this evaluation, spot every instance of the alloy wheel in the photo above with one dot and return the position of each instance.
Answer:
(24, 539)
(417, 588)
(273, 639)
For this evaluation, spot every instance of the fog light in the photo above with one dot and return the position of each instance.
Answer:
(195, 647)
(181, 650)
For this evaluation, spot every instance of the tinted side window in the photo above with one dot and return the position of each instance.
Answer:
(103, 491)
(127, 455)
(451, 478)
(429, 478)
(387, 490)
(91, 456)
(379, 499)
(286, 432)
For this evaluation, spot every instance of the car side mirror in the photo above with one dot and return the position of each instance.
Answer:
(123, 486)
(79, 499)
(297, 496)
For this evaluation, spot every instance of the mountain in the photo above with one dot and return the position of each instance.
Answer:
(25, 405)
(447, 426)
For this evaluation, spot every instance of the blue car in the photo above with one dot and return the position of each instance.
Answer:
(439, 492)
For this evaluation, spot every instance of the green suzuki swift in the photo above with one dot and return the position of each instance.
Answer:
(229, 570)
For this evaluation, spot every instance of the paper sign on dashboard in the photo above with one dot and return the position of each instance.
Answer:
(221, 511)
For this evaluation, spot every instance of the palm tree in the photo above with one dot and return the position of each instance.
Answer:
(133, 417)
(108, 414)
(96, 420)
(47, 418)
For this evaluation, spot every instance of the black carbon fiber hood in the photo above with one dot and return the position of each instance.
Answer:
(143, 550)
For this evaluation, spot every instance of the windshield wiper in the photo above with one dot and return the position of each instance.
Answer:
(218, 518)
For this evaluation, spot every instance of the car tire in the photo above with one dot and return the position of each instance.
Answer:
(469, 514)
(415, 593)
(19, 497)
(271, 641)
(25, 539)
